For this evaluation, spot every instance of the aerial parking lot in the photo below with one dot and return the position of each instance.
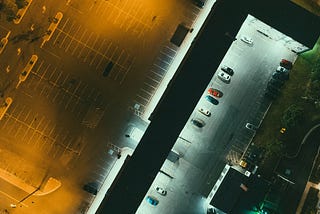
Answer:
(81, 78)
(236, 111)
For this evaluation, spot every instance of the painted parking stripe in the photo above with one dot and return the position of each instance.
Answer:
(104, 54)
(85, 44)
(79, 41)
(72, 40)
(93, 47)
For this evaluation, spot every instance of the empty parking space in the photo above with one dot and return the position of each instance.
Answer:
(155, 76)
(92, 49)
(63, 90)
(132, 17)
(39, 133)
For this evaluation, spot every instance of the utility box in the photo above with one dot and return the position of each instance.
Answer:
(179, 35)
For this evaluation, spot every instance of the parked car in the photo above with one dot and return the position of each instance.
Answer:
(212, 100)
(205, 112)
(161, 191)
(107, 69)
(271, 94)
(250, 167)
(91, 187)
(228, 70)
(198, 123)
(251, 126)
(275, 84)
(199, 3)
(286, 64)
(273, 88)
(224, 77)
(151, 200)
(280, 76)
(247, 39)
(215, 92)
(281, 69)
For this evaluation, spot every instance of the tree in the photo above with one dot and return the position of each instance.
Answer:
(20, 3)
(9, 8)
(274, 148)
(292, 116)
(314, 90)
(315, 74)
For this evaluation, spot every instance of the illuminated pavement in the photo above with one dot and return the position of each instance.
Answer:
(65, 115)
(205, 151)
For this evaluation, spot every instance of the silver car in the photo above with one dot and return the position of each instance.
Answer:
(161, 191)
(204, 111)
(251, 127)
(247, 40)
(224, 76)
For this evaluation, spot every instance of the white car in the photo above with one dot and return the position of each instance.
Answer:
(281, 69)
(251, 127)
(205, 112)
(224, 76)
(247, 40)
(161, 191)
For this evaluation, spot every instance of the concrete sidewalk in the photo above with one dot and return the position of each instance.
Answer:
(25, 175)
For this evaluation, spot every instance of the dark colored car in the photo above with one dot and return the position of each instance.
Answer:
(270, 94)
(228, 70)
(212, 100)
(199, 3)
(198, 123)
(275, 82)
(91, 188)
(273, 89)
(215, 92)
(108, 69)
(286, 64)
(280, 76)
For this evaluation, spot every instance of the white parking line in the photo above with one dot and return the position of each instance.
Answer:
(163, 61)
(104, 54)
(157, 74)
(41, 77)
(98, 51)
(73, 95)
(56, 82)
(159, 67)
(60, 31)
(100, 5)
(67, 48)
(94, 43)
(133, 17)
(167, 54)
(5, 124)
(20, 123)
(172, 50)
(85, 44)
(78, 41)
(34, 131)
(52, 73)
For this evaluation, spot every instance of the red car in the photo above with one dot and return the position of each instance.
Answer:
(215, 92)
(286, 64)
